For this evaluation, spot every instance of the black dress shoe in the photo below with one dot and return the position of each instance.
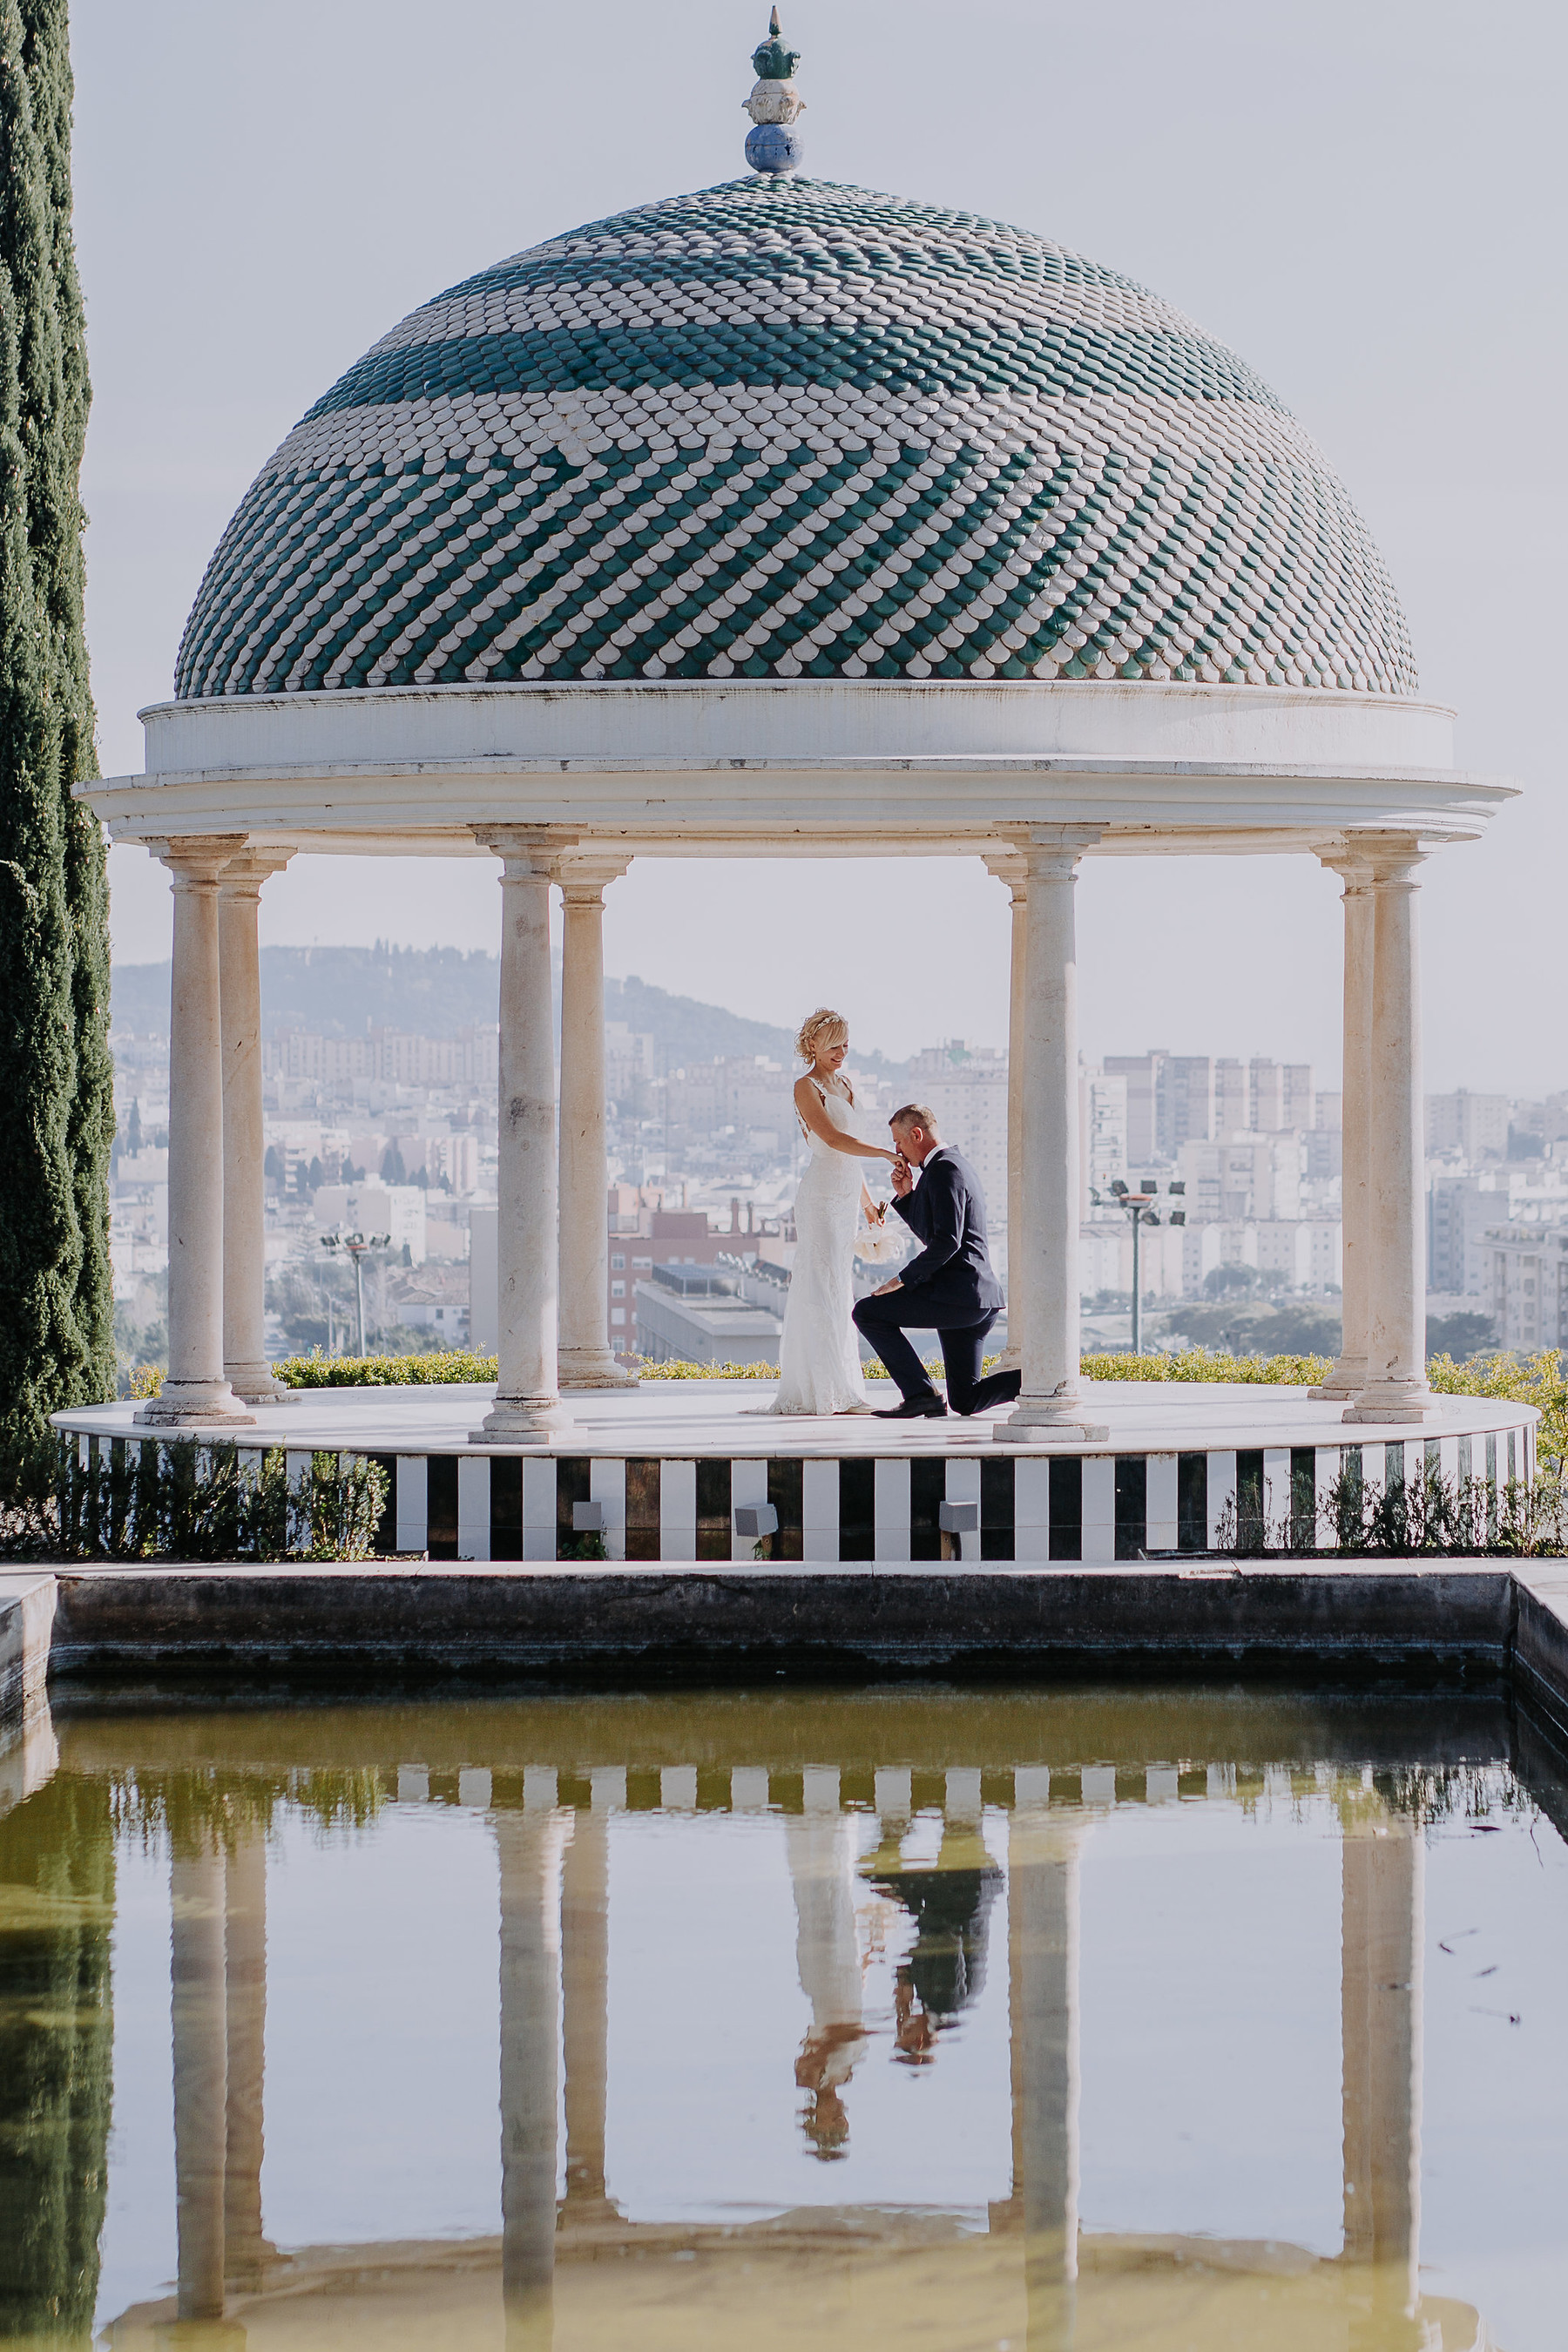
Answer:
(926, 1408)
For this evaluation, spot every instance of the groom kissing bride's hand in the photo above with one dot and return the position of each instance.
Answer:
(950, 1287)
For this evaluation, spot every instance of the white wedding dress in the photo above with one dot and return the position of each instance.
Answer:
(819, 1354)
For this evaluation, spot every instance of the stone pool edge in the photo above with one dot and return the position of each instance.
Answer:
(81, 1621)
(1449, 1619)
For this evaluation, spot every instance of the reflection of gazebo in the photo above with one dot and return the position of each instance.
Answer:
(1035, 2264)
(785, 520)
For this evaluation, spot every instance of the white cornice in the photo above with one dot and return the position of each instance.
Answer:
(799, 768)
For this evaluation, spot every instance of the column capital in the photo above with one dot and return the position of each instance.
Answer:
(246, 871)
(198, 856)
(1392, 858)
(1052, 852)
(1006, 866)
(524, 849)
(588, 876)
(1342, 857)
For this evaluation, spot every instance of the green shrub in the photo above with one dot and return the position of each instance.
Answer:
(180, 1500)
(436, 1369)
(1209, 1364)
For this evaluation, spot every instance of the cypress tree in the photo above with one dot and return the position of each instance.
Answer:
(57, 1335)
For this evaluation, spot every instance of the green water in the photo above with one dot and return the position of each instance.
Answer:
(1017, 2021)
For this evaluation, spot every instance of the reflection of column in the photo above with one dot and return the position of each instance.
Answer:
(244, 1141)
(528, 1846)
(200, 2077)
(1042, 1946)
(586, 1360)
(246, 1981)
(1382, 1858)
(1349, 1374)
(820, 1844)
(585, 1993)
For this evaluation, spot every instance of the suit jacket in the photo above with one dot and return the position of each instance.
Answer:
(953, 1273)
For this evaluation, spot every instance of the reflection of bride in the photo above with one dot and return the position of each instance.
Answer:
(820, 1849)
(819, 1356)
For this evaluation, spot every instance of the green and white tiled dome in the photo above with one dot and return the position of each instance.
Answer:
(786, 430)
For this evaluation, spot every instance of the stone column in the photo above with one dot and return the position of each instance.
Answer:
(1348, 1377)
(244, 1139)
(1383, 1857)
(1048, 1146)
(245, 1978)
(586, 1356)
(584, 2001)
(201, 2076)
(528, 1850)
(527, 1410)
(1042, 1951)
(1396, 1387)
(1010, 871)
(195, 1390)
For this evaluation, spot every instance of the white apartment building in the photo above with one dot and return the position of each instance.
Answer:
(1248, 1178)
(1530, 1286)
(394, 1057)
(1102, 1132)
(1475, 1126)
(455, 1157)
(966, 1087)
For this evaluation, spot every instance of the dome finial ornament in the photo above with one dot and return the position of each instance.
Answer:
(772, 145)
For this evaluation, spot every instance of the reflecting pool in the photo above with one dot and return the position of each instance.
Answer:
(980, 2022)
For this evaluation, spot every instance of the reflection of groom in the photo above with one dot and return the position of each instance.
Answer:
(950, 1287)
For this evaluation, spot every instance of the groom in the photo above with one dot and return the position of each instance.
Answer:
(950, 1287)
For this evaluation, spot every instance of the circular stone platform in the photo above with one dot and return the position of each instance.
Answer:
(671, 1462)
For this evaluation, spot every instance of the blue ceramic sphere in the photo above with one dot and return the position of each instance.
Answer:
(772, 147)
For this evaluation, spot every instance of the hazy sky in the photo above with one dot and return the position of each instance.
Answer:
(1361, 196)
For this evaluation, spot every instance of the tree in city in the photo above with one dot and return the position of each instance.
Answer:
(56, 1339)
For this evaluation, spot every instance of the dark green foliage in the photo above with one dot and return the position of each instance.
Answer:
(1459, 1335)
(56, 1339)
(57, 1865)
(189, 1502)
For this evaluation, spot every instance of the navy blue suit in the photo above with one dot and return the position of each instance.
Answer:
(950, 1287)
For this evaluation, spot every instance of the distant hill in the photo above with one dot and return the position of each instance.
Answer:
(340, 992)
(435, 992)
(688, 1031)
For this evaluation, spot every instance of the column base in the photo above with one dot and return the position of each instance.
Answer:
(1037, 1417)
(1408, 1400)
(257, 1384)
(1347, 1378)
(194, 1404)
(592, 1368)
(522, 1420)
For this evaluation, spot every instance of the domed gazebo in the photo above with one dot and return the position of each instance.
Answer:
(786, 520)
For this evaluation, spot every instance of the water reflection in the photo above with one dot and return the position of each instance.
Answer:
(947, 1846)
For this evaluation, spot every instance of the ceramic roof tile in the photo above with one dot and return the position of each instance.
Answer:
(796, 429)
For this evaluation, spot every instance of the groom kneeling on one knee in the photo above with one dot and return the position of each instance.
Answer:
(950, 1287)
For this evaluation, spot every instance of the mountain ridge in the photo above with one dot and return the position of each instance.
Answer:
(343, 991)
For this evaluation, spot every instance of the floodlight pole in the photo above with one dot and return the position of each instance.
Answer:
(1138, 1206)
(356, 1244)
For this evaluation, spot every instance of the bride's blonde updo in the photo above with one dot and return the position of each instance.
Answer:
(823, 1027)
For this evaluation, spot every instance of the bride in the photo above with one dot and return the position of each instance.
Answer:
(819, 1355)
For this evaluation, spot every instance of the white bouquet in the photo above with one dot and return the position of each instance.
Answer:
(881, 1241)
